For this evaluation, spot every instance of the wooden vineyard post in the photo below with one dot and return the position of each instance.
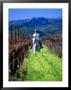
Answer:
(11, 32)
(18, 33)
(15, 34)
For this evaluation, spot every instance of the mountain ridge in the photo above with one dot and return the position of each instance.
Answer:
(47, 26)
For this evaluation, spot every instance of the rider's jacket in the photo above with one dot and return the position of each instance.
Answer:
(35, 37)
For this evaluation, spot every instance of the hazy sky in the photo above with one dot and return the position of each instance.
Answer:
(20, 14)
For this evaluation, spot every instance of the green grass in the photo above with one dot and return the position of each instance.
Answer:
(44, 65)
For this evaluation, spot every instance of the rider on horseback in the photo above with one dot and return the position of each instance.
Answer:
(36, 42)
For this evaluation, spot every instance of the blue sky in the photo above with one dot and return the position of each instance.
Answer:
(21, 14)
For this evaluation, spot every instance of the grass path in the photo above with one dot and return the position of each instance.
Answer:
(42, 66)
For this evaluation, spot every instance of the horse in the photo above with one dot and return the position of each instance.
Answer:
(37, 45)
